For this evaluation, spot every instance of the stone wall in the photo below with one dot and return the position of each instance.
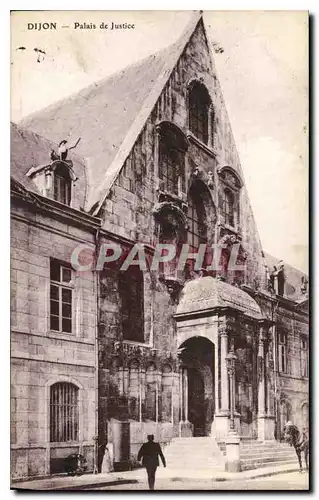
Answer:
(128, 210)
(41, 357)
(293, 385)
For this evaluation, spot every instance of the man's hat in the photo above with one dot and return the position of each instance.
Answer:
(288, 424)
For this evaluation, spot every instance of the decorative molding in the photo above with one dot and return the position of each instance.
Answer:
(126, 352)
(192, 138)
(230, 177)
(164, 207)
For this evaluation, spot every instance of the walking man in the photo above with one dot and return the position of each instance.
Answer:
(149, 454)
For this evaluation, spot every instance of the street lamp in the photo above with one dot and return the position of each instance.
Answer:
(230, 363)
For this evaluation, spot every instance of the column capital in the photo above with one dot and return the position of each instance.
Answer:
(264, 324)
(224, 327)
(223, 331)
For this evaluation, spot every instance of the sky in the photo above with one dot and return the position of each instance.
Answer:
(263, 72)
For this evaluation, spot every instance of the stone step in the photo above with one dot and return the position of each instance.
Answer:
(203, 453)
(257, 465)
(263, 461)
(256, 456)
(265, 444)
(194, 463)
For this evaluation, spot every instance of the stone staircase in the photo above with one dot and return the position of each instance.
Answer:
(203, 456)
(194, 454)
(255, 454)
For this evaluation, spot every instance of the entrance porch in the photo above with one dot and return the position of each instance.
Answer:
(213, 319)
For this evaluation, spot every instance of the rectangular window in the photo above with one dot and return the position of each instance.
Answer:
(304, 357)
(282, 351)
(60, 297)
(62, 190)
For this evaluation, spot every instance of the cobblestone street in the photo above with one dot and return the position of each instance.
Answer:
(291, 481)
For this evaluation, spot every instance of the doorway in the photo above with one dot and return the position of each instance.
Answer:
(196, 402)
(198, 358)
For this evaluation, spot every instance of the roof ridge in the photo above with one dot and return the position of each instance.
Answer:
(96, 83)
(136, 127)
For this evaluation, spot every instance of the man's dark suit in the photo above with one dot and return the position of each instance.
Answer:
(149, 452)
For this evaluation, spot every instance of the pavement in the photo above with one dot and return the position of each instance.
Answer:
(166, 478)
(292, 481)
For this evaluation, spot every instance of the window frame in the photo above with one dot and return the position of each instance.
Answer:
(228, 214)
(200, 114)
(282, 352)
(61, 286)
(171, 148)
(127, 313)
(304, 358)
(62, 413)
(195, 199)
(61, 174)
(171, 167)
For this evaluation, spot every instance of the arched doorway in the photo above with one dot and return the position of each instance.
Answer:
(197, 356)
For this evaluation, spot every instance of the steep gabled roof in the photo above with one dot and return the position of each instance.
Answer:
(293, 278)
(121, 103)
(28, 149)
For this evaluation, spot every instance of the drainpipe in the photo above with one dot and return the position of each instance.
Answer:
(96, 282)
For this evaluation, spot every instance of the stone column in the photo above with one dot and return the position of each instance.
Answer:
(157, 389)
(185, 427)
(181, 413)
(125, 381)
(121, 380)
(265, 421)
(223, 371)
(186, 394)
(221, 419)
(261, 375)
(216, 380)
(232, 463)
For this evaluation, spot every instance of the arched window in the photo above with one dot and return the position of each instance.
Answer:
(228, 207)
(62, 185)
(197, 227)
(172, 148)
(64, 412)
(199, 104)
(131, 291)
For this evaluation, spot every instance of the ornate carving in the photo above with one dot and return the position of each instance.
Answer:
(260, 368)
(173, 285)
(162, 209)
(230, 176)
(210, 180)
(122, 354)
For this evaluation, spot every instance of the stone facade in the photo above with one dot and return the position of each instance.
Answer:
(39, 356)
(147, 351)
